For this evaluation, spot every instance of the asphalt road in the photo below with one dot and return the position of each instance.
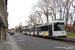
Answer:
(26, 42)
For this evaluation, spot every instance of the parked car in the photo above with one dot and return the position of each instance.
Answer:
(8, 32)
(12, 33)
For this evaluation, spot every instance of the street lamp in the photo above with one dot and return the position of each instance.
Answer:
(60, 11)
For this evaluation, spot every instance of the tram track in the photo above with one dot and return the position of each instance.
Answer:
(66, 40)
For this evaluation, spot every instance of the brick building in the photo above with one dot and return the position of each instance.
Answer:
(69, 27)
(3, 20)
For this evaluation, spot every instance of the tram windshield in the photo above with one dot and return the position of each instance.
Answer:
(59, 27)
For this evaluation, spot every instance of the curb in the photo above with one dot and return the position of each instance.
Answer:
(68, 40)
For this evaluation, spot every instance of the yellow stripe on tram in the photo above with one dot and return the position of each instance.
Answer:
(44, 33)
(63, 34)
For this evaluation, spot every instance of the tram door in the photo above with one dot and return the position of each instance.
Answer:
(38, 31)
(50, 30)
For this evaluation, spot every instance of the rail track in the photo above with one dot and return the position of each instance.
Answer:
(66, 40)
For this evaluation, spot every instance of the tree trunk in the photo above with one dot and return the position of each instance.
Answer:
(67, 17)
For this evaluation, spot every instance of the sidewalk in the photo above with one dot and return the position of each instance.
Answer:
(9, 44)
(71, 37)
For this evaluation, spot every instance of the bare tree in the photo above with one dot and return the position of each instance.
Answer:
(44, 5)
(38, 14)
(33, 19)
(66, 5)
(53, 5)
(28, 22)
(48, 7)
(70, 19)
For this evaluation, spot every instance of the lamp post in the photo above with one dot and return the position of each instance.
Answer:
(60, 12)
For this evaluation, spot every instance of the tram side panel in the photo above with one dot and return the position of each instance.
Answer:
(36, 31)
(29, 32)
(40, 31)
(32, 31)
(43, 31)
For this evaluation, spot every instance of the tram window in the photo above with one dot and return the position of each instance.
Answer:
(28, 30)
(59, 27)
(31, 29)
(25, 29)
(44, 28)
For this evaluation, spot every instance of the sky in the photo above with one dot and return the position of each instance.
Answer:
(18, 11)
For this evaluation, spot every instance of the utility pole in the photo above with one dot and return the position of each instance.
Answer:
(60, 12)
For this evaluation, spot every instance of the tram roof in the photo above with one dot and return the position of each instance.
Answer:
(53, 21)
(46, 24)
(57, 20)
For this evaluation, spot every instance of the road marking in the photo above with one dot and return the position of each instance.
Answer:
(8, 42)
(21, 40)
(18, 37)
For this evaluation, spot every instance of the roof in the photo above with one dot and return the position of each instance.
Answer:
(69, 25)
(23, 26)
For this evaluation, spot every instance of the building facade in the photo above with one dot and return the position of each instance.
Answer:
(3, 20)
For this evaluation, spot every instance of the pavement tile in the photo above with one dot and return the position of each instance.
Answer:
(71, 37)
(9, 44)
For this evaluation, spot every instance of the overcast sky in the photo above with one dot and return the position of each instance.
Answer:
(18, 11)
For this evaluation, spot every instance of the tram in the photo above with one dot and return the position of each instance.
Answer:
(56, 28)
(24, 30)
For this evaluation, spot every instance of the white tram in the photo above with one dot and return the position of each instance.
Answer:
(56, 28)
(24, 30)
